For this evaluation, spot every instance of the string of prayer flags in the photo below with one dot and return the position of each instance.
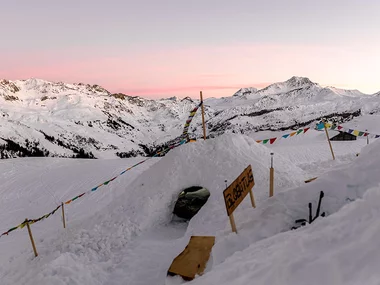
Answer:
(32, 221)
(182, 141)
(189, 119)
(357, 133)
(23, 224)
(272, 140)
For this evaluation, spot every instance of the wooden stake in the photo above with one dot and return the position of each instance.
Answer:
(63, 216)
(328, 140)
(271, 177)
(233, 225)
(203, 117)
(367, 137)
(252, 199)
(31, 237)
(271, 181)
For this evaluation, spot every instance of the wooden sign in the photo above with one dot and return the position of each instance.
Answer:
(193, 258)
(236, 192)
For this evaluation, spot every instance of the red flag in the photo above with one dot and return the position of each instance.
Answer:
(305, 130)
(272, 140)
(365, 134)
(340, 127)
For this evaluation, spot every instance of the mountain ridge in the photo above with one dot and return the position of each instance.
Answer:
(38, 117)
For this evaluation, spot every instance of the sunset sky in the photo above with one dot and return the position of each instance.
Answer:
(161, 48)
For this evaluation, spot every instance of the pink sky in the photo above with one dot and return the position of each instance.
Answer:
(218, 71)
(177, 48)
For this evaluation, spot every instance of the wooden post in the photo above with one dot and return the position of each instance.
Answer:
(271, 177)
(203, 117)
(63, 216)
(367, 136)
(252, 199)
(232, 221)
(328, 140)
(31, 237)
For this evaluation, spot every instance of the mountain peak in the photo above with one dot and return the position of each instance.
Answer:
(291, 84)
(187, 99)
(245, 91)
(299, 81)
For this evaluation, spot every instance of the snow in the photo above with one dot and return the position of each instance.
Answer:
(339, 249)
(124, 234)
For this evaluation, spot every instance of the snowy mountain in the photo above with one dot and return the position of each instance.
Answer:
(41, 118)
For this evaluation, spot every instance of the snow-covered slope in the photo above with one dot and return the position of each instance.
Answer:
(123, 234)
(63, 118)
(41, 118)
(339, 249)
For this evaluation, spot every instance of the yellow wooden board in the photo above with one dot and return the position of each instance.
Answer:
(193, 258)
(236, 192)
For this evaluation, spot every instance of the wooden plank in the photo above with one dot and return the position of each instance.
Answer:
(236, 192)
(194, 257)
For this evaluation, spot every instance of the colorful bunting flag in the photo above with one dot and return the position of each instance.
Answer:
(272, 140)
(265, 141)
(305, 130)
(299, 131)
(320, 126)
(285, 136)
(292, 134)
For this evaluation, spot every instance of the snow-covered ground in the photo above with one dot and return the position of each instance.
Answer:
(123, 233)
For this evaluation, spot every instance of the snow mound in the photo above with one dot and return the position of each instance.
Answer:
(132, 240)
(339, 249)
(106, 243)
(208, 164)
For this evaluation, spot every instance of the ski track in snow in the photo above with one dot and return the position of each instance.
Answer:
(122, 234)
